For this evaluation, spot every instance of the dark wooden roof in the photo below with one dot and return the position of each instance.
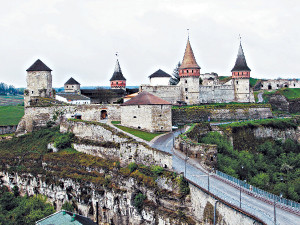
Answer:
(159, 73)
(145, 98)
(38, 66)
(72, 81)
(117, 75)
(240, 63)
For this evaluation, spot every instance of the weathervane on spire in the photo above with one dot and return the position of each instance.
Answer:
(188, 31)
(240, 38)
(117, 54)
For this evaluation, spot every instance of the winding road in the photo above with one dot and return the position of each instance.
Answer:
(220, 188)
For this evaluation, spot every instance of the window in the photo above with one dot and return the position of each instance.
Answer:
(31, 92)
(139, 127)
(134, 116)
(159, 115)
(186, 97)
(192, 71)
(187, 71)
(139, 106)
(186, 81)
(161, 128)
(72, 86)
(237, 82)
(186, 89)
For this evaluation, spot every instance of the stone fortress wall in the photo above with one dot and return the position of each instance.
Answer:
(100, 140)
(279, 83)
(35, 117)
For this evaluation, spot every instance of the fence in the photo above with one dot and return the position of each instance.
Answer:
(260, 192)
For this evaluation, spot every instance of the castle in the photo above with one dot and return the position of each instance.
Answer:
(193, 87)
(196, 88)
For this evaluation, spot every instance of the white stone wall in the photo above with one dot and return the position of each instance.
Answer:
(170, 93)
(72, 88)
(241, 89)
(216, 94)
(159, 81)
(161, 118)
(137, 116)
(39, 116)
(74, 102)
(190, 89)
(153, 118)
(280, 83)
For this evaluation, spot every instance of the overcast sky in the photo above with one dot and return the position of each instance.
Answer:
(79, 38)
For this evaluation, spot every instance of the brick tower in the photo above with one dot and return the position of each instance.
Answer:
(189, 73)
(117, 80)
(241, 77)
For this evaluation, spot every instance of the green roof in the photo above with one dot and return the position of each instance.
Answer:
(65, 218)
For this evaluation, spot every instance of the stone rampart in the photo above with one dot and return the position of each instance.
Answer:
(205, 154)
(8, 129)
(195, 114)
(203, 205)
(127, 151)
(36, 117)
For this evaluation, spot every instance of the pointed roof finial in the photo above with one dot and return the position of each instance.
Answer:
(240, 63)
(189, 60)
(117, 54)
(188, 31)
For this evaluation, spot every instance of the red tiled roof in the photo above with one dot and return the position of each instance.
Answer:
(189, 60)
(145, 98)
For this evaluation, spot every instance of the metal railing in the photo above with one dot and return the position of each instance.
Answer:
(260, 192)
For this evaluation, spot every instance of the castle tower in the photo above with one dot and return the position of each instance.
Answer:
(72, 85)
(117, 80)
(241, 77)
(39, 82)
(189, 73)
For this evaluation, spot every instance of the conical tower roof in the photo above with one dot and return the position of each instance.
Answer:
(72, 81)
(117, 75)
(38, 66)
(240, 63)
(189, 60)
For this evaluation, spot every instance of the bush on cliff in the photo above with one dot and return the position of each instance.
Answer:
(272, 165)
(22, 210)
(63, 140)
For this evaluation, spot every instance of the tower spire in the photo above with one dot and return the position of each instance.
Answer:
(117, 80)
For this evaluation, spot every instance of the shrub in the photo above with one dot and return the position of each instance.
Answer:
(132, 166)
(139, 201)
(157, 170)
(68, 207)
(64, 140)
(183, 186)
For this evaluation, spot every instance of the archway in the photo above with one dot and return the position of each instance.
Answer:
(270, 87)
(103, 114)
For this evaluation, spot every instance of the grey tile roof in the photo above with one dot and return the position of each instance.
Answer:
(38, 66)
(240, 63)
(72, 81)
(117, 75)
(159, 73)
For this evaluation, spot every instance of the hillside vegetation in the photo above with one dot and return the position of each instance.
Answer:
(289, 93)
(272, 165)
(11, 115)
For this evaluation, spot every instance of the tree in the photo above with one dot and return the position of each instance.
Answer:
(174, 80)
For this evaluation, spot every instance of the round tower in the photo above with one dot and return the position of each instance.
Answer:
(39, 82)
(241, 77)
(117, 80)
(189, 73)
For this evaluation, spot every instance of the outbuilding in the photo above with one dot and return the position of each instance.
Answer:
(147, 112)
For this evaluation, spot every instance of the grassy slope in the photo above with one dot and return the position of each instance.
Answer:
(138, 133)
(10, 115)
(289, 93)
(11, 99)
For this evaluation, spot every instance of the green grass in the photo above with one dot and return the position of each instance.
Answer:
(11, 115)
(138, 133)
(253, 81)
(115, 122)
(11, 100)
(289, 93)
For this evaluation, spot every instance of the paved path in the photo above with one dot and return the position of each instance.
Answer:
(219, 187)
(260, 98)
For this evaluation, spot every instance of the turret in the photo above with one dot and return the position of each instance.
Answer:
(117, 80)
(189, 73)
(72, 86)
(241, 77)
